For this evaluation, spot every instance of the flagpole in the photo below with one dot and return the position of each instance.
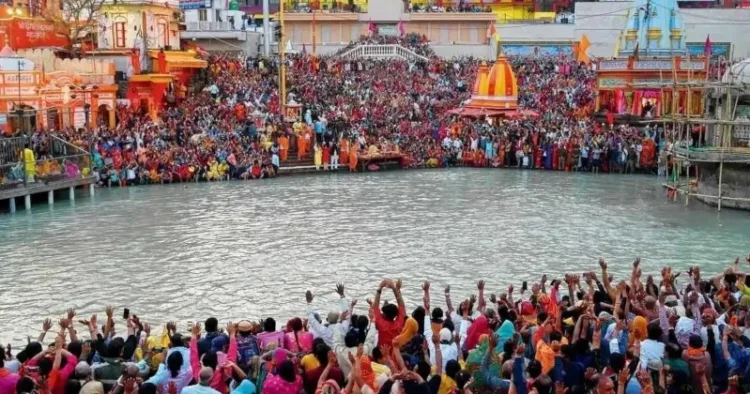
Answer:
(282, 56)
(314, 32)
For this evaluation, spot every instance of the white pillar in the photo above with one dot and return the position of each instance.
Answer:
(91, 189)
(267, 33)
(12, 205)
(51, 197)
(72, 193)
(27, 201)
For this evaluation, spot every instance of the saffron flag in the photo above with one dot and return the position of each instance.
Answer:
(583, 46)
(372, 28)
(707, 48)
(401, 29)
(491, 30)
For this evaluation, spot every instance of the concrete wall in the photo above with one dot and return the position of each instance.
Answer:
(735, 184)
(478, 51)
(252, 44)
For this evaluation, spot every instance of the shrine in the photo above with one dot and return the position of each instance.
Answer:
(643, 79)
(495, 93)
(39, 90)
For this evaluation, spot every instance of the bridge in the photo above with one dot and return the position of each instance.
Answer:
(384, 51)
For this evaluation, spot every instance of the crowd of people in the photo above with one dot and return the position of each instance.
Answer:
(670, 332)
(360, 107)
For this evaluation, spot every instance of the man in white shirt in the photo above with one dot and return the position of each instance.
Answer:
(204, 387)
(325, 331)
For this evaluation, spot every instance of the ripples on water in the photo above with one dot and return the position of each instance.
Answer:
(245, 250)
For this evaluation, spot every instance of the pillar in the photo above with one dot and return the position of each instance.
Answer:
(72, 193)
(112, 119)
(51, 197)
(27, 202)
(91, 189)
(12, 202)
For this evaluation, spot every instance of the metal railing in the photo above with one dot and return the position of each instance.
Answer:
(209, 26)
(357, 6)
(387, 51)
(59, 161)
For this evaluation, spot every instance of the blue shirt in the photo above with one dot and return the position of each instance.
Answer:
(318, 127)
(198, 389)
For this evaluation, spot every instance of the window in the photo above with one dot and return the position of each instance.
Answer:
(326, 34)
(203, 15)
(474, 36)
(162, 33)
(119, 28)
(445, 34)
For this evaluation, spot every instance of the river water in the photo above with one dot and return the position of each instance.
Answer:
(246, 250)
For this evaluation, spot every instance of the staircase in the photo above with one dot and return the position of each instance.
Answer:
(386, 51)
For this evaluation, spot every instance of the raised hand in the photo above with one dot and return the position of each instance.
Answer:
(63, 323)
(448, 288)
(493, 341)
(92, 322)
(309, 297)
(340, 289)
(46, 325)
(493, 298)
(147, 329)
(544, 278)
(171, 326)
(510, 289)
(398, 285)
(332, 359)
(637, 262)
(196, 330)
(426, 286)
(231, 329)
(602, 264)
(472, 299)
(71, 314)
(109, 311)
(353, 304)
(480, 285)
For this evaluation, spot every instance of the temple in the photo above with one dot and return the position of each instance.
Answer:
(494, 93)
(643, 78)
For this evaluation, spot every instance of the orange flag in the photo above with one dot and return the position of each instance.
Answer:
(583, 46)
(491, 30)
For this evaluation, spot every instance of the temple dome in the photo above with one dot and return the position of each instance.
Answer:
(495, 88)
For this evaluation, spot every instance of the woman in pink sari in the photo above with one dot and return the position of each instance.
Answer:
(71, 170)
(296, 340)
(285, 382)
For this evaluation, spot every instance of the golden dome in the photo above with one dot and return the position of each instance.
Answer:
(495, 88)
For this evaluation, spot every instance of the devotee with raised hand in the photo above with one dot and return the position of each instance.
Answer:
(326, 331)
(217, 358)
(390, 319)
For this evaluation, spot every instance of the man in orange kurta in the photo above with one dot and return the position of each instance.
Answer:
(284, 145)
(301, 146)
(353, 159)
(344, 152)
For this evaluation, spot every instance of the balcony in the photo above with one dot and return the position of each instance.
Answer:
(205, 30)
(325, 6)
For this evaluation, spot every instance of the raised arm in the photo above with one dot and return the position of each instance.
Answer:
(195, 363)
(449, 304)
(482, 302)
(232, 352)
(46, 326)
(426, 296)
(605, 279)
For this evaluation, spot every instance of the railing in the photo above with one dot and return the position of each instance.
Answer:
(209, 26)
(389, 51)
(358, 6)
(60, 161)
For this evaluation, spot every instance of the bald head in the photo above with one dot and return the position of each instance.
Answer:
(206, 375)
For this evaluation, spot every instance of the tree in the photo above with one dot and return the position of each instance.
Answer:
(75, 19)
